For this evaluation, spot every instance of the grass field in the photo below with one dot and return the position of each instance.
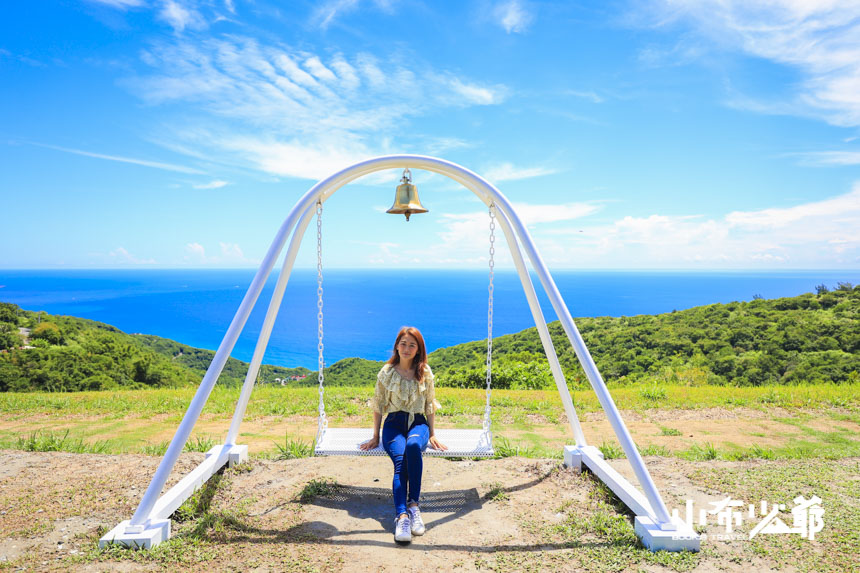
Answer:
(700, 422)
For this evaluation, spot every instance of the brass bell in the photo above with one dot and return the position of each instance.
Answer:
(406, 199)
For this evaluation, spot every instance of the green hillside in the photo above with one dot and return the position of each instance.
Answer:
(65, 353)
(809, 338)
(804, 339)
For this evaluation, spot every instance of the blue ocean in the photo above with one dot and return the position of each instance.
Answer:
(364, 308)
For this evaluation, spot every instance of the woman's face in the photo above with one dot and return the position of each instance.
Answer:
(407, 347)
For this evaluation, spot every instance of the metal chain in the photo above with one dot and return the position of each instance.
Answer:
(492, 210)
(323, 422)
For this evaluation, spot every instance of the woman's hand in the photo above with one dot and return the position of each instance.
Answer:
(436, 444)
(369, 444)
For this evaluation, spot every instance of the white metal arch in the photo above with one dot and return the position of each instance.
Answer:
(153, 512)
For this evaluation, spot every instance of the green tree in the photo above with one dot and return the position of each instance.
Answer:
(9, 337)
(49, 332)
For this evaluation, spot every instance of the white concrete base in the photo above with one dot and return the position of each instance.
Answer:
(656, 539)
(573, 456)
(674, 536)
(157, 531)
(235, 455)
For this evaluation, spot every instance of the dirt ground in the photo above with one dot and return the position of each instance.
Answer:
(506, 515)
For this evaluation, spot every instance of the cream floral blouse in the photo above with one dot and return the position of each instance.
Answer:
(397, 394)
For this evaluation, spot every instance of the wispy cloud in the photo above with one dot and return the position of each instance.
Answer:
(514, 16)
(119, 4)
(181, 16)
(21, 58)
(826, 158)
(121, 256)
(143, 162)
(292, 112)
(588, 95)
(510, 172)
(229, 254)
(330, 10)
(217, 184)
(835, 208)
(821, 40)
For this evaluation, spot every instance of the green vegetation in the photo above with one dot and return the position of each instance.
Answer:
(200, 444)
(40, 441)
(808, 339)
(315, 488)
(293, 448)
(72, 354)
(836, 546)
(496, 492)
(601, 537)
(197, 360)
(67, 354)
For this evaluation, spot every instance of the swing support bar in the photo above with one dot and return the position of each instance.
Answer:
(147, 526)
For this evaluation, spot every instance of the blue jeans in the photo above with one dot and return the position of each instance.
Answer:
(404, 445)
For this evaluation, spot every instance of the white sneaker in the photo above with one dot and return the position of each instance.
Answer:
(417, 523)
(402, 529)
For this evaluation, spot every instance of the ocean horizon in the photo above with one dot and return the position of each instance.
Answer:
(363, 309)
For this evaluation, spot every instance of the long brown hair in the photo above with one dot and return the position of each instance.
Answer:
(420, 360)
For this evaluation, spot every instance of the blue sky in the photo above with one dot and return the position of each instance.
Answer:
(654, 135)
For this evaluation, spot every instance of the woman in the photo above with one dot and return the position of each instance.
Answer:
(405, 394)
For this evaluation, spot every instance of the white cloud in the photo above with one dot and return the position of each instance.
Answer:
(290, 112)
(195, 252)
(831, 209)
(143, 162)
(230, 254)
(513, 16)
(119, 4)
(463, 238)
(475, 94)
(312, 160)
(328, 11)
(591, 96)
(217, 184)
(231, 251)
(821, 40)
(818, 234)
(180, 16)
(830, 158)
(121, 256)
(814, 235)
(316, 67)
(508, 172)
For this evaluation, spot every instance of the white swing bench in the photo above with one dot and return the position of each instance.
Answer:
(461, 443)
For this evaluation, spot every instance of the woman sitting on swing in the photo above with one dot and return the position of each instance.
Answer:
(405, 395)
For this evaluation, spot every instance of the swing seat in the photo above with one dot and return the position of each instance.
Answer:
(461, 443)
